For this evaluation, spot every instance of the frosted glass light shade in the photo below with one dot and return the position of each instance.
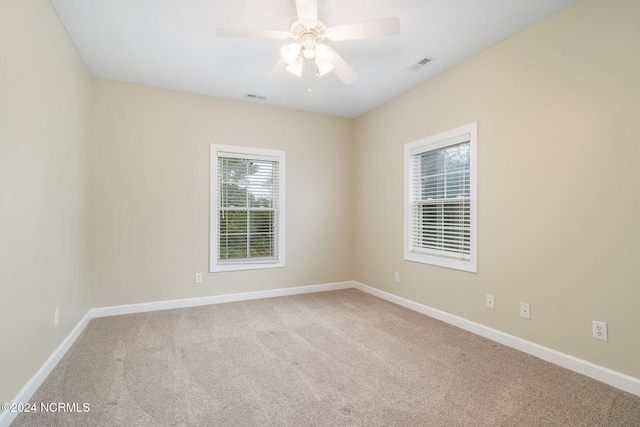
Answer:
(290, 52)
(296, 67)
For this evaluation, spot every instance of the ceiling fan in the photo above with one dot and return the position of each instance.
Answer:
(308, 33)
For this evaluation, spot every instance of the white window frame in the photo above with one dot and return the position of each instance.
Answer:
(220, 150)
(441, 140)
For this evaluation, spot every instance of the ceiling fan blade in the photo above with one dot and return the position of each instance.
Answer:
(307, 12)
(365, 30)
(342, 69)
(258, 34)
(278, 70)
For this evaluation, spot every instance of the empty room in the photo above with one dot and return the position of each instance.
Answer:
(319, 212)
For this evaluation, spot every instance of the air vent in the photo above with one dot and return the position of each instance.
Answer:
(253, 96)
(420, 64)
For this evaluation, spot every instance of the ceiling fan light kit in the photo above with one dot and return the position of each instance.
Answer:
(308, 33)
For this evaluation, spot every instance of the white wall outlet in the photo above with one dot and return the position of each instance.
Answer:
(198, 277)
(56, 317)
(396, 277)
(600, 331)
(490, 302)
(525, 310)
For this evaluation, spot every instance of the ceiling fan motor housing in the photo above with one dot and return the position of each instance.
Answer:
(297, 30)
(308, 37)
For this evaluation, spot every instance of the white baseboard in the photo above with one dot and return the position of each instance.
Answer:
(616, 379)
(216, 299)
(24, 395)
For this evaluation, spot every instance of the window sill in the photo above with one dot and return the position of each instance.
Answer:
(468, 265)
(218, 268)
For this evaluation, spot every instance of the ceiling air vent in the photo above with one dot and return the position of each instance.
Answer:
(420, 64)
(253, 96)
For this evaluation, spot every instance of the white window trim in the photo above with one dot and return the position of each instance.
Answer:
(429, 143)
(276, 155)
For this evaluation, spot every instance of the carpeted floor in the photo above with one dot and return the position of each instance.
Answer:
(323, 359)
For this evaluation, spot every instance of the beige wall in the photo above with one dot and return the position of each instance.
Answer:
(558, 197)
(44, 104)
(149, 204)
(557, 107)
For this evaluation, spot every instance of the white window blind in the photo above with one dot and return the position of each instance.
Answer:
(247, 211)
(440, 199)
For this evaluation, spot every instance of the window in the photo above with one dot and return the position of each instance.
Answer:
(247, 208)
(440, 199)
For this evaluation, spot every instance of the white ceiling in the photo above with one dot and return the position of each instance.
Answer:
(173, 44)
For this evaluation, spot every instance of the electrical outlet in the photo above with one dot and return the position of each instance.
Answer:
(198, 277)
(490, 302)
(396, 277)
(525, 310)
(56, 317)
(600, 331)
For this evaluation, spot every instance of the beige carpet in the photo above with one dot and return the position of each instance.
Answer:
(323, 359)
